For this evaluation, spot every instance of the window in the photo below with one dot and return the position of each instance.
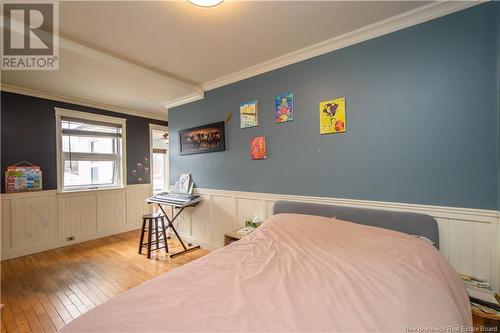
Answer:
(92, 146)
(73, 167)
(90, 150)
(159, 158)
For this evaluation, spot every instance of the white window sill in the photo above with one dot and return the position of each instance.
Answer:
(84, 190)
(18, 195)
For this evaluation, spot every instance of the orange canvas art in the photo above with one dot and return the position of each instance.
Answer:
(258, 149)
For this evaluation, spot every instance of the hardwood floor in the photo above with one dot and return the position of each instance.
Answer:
(44, 291)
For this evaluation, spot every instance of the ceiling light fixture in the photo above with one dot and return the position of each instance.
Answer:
(205, 3)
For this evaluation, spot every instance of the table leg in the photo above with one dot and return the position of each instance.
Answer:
(164, 234)
(171, 225)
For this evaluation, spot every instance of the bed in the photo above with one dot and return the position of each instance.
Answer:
(309, 267)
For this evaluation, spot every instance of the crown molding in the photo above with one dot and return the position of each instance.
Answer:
(184, 100)
(78, 101)
(416, 16)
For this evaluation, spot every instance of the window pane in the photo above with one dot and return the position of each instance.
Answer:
(82, 126)
(91, 152)
(88, 173)
(85, 144)
(159, 174)
(160, 139)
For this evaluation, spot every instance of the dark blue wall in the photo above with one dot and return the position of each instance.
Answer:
(29, 133)
(422, 120)
(498, 105)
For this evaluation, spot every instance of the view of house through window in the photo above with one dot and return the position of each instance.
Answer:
(91, 154)
(159, 159)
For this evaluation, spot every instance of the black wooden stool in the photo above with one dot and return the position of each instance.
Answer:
(154, 230)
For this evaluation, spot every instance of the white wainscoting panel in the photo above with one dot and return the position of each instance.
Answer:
(79, 213)
(38, 221)
(33, 222)
(246, 209)
(199, 228)
(111, 210)
(469, 238)
(223, 217)
(136, 206)
(6, 227)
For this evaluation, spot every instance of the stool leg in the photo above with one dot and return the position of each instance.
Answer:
(164, 234)
(157, 235)
(150, 231)
(142, 235)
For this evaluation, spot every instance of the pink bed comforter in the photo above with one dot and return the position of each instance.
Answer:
(296, 273)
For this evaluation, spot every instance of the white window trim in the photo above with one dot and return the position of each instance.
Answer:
(159, 128)
(60, 112)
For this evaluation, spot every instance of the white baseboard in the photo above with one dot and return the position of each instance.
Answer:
(39, 221)
(202, 243)
(23, 251)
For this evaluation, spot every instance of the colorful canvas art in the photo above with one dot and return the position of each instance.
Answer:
(284, 107)
(249, 114)
(332, 116)
(258, 149)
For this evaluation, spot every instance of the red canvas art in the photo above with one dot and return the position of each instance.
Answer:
(258, 149)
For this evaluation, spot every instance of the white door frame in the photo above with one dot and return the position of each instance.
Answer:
(159, 128)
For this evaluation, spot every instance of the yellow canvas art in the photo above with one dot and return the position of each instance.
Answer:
(332, 116)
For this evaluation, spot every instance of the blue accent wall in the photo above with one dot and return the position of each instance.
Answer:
(422, 120)
(28, 132)
(498, 105)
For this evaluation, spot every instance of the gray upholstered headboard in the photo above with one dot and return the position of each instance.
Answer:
(410, 223)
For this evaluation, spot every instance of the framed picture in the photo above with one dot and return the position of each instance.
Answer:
(202, 139)
(332, 116)
(184, 182)
(249, 114)
(258, 150)
(284, 107)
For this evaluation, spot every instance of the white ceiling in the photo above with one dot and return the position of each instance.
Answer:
(141, 55)
(202, 44)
